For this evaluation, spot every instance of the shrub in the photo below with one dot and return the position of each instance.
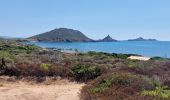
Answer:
(84, 73)
(7, 56)
(112, 55)
(2, 64)
(35, 70)
(31, 48)
(160, 92)
(45, 66)
(167, 83)
(116, 86)
(12, 71)
(17, 49)
(122, 56)
(133, 63)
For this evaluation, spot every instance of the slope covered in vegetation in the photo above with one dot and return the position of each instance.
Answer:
(107, 76)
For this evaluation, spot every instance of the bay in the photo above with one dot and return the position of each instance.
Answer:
(145, 48)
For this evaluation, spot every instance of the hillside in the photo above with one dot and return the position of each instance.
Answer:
(62, 35)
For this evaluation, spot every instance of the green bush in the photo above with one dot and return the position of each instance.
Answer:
(31, 48)
(7, 56)
(110, 55)
(116, 86)
(84, 73)
(118, 79)
(160, 92)
(17, 49)
(102, 86)
(132, 63)
(45, 66)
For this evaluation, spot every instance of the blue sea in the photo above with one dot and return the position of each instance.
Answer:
(145, 48)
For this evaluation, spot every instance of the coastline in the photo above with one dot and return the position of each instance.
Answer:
(145, 48)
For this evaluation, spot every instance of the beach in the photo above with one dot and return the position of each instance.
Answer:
(139, 58)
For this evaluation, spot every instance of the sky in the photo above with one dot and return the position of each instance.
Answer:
(121, 19)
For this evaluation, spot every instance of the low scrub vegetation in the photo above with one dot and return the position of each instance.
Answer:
(17, 49)
(159, 92)
(45, 66)
(84, 73)
(112, 55)
(108, 76)
(7, 56)
(116, 86)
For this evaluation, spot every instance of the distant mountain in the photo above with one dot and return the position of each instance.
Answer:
(62, 35)
(142, 39)
(7, 37)
(1, 38)
(107, 39)
(4, 37)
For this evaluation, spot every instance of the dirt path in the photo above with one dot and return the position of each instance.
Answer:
(61, 90)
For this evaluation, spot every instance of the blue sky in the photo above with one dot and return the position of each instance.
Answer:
(122, 19)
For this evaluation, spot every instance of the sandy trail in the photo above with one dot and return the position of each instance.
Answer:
(60, 90)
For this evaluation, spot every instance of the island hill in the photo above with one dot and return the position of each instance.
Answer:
(67, 35)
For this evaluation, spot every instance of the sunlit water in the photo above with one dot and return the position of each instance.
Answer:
(146, 48)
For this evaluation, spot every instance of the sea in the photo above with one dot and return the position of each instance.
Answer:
(145, 48)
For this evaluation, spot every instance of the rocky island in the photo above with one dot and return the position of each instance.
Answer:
(107, 39)
(142, 39)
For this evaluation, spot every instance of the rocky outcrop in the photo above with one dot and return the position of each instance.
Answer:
(107, 39)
